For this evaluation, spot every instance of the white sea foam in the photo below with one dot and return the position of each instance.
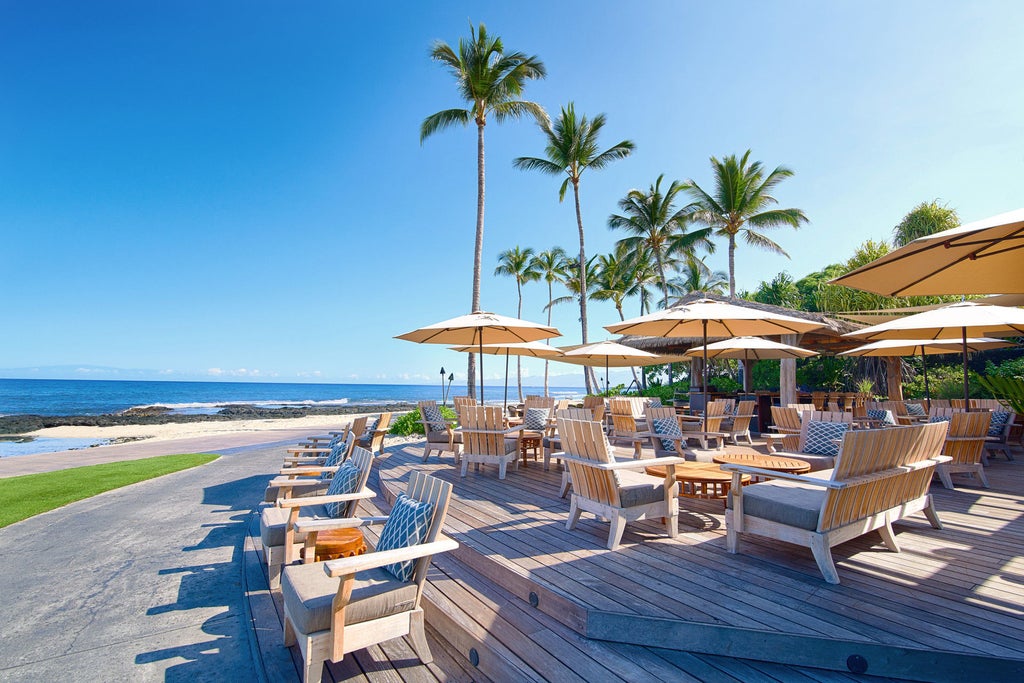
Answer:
(262, 404)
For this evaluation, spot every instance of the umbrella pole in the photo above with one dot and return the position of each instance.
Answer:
(967, 388)
(606, 375)
(705, 373)
(924, 366)
(746, 389)
(480, 330)
(504, 407)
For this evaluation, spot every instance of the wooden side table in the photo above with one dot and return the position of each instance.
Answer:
(765, 462)
(335, 543)
(701, 480)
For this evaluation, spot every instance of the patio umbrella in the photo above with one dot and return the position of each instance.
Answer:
(956, 321)
(612, 355)
(747, 348)
(532, 349)
(710, 318)
(479, 328)
(930, 347)
(983, 257)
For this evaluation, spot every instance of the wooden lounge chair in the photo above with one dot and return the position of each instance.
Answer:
(707, 427)
(880, 476)
(460, 402)
(785, 420)
(677, 438)
(534, 433)
(626, 414)
(440, 435)
(310, 478)
(1001, 441)
(312, 455)
(372, 438)
(965, 445)
(340, 606)
(281, 541)
(486, 441)
(614, 490)
(552, 442)
(739, 425)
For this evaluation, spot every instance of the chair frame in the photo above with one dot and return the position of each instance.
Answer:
(483, 439)
(965, 445)
(428, 445)
(375, 443)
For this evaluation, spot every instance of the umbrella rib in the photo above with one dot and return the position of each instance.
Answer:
(934, 272)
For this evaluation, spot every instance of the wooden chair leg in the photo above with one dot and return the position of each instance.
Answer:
(932, 515)
(618, 527)
(823, 556)
(418, 637)
(943, 473)
(982, 477)
(574, 515)
(888, 537)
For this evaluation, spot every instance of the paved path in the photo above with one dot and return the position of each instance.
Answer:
(141, 583)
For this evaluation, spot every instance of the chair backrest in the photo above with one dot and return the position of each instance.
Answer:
(829, 416)
(957, 403)
(744, 414)
(818, 399)
(575, 414)
(714, 415)
(424, 488)
(586, 441)
(728, 405)
(545, 402)
(598, 412)
(483, 430)
(562, 404)
(384, 422)
(800, 406)
(359, 425)
(938, 411)
(834, 406)
(965, 441)
(987, 404)
(786, 418)
(593, 401)
(363, 460)
(940, 403)
(460, 402)
(623, 417)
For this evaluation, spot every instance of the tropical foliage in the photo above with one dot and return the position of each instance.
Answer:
(924, 219)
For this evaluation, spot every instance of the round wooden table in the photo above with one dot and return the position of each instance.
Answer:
(703, 480)
(765, 462)
(335, 543)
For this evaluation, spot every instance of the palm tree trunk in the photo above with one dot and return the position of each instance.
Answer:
(732, 266)
(583, 275)
(622, 318)
(519, 359)
(478, 254)
(551, 302)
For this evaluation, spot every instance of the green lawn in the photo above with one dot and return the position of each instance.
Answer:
(28, 495)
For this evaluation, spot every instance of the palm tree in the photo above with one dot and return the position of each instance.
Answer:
(577, 282)
(695, 276)
(644, 277)
(491, 81)
(518, 263)
(571, 149)
(614, 281)
(550, 266)
(656, 226)
(741, 202)
(924, 219)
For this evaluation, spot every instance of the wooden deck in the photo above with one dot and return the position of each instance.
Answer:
(949, 607)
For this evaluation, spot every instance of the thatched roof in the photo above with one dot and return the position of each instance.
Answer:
(827, 339)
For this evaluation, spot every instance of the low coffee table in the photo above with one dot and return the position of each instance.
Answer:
(335, 543)
(765, 462)
(702, 480)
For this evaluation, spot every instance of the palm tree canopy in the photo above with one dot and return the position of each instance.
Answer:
(517, 263)
(572, 148)
(490, 80)
(651, 219)
(550, 265)
(695, 276)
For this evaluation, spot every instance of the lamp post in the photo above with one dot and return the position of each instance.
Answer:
(448, 389)
(442, 385)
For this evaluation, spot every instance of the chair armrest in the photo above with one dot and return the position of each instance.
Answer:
(774, 474)
(358, 563)
(307, 450)
(304, 526)
(289, 484)
(623, 465)
(321, 500)
(306, 471)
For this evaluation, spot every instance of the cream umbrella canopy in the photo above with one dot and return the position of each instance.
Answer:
(983, 257)
(612, 355)
(750, 348)
(956, 321)
(710, 318)
(532, 349)
(929, 347)
(479, 328)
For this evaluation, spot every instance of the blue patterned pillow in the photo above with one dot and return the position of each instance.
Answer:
(432, 415)
(884, 415)
(999, 419)
(915, 410)
(406, 526)
(654, 403)
(822, 437)
(536, 419)
(371, 425)
(939, 418)
(669, 426)
(344, 481)
(337, 453)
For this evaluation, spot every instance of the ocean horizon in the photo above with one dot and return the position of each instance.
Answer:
(51, 397)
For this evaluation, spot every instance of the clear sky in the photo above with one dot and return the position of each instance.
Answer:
(231, 190)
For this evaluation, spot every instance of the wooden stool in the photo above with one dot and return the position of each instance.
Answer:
(335, 543)
(529, 443)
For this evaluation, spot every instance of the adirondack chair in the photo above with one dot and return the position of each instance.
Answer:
(817, 451)
(786, 421)
(958, 403)
(614, 490)
(880, 476)
(311, 478)
(534, 433)
(818, 399)
(486, 441)
(552, 442)
(281, 540)
(372, 437)
(440, 435)
(460, 402)
(899, 411)
(625, 413)
(987, 404)
(802, 406)
(965, 445)
(940, 403)
(307, 456)
(739, 425)
(707, 427)
(669, 428)
(937, 411)
(340, 606)
(1001, 441)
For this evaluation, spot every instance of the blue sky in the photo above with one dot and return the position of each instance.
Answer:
(237, 190)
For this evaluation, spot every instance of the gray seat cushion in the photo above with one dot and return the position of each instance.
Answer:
(274, 521)
(817, 462)
(308, 594)
(786, 502)
(637, 488)
(442, 437)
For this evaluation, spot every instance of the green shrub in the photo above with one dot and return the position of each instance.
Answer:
(410, 423)
(1013, 368)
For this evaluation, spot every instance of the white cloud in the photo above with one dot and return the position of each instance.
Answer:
(216, 372)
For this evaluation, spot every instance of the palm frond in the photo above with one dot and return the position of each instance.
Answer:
(756, 239)
(778, 218)
(442, 120)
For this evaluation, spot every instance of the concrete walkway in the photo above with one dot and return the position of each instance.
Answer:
(141, 583)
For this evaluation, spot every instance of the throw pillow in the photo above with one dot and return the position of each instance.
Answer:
(915, 410)
(822, 437)
(940, 418)
(999, 420)
(344, 481)
(407, 525)
(655, 403)
(433, 417)
(371, 425)
(884, 415)
(667, 426)
(536, 419)
(336, 454)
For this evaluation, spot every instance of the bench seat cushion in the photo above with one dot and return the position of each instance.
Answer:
(309, 593)
(274, 521)
(637, 488)
(442, 437)
(786, 502)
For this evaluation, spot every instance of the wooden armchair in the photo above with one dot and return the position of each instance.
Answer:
(818, 399)
(740, 423)
(460, 402)
(552, 441)
(809, 448)
(486, 441)
(880, 476)
(440, 435)
(965, 445)
(1001, 441)
(625, 428)
(281, 540)
(707, 427)
(785, 420)
(614, 490)
(309, 476)
(340, 606)
(373, 439)
(305, 456)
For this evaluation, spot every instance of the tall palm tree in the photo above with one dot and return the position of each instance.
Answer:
(551, 267)
(571, 149)
(614, 282)
(578, 281)
(695, 276)
(491, 81)
(741, 203)
(518, 263)
(655, 225)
